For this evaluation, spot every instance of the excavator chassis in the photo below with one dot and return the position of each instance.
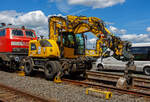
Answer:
(57, 67)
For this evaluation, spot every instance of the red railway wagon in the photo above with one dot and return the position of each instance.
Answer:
(14, 44)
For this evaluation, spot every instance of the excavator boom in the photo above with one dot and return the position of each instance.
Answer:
(82, 24)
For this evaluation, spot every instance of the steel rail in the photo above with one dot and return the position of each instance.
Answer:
(118, 74)
(139, 83)
(137, 79)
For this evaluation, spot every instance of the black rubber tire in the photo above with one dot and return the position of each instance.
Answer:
(147, 71)
(28, 68)
(50, 70)
(100, 67)
(58, 65)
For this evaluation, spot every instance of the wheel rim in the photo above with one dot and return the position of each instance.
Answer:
(147, 71)
(99, 67)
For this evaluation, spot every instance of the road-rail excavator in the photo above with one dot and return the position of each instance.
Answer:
(64, 51)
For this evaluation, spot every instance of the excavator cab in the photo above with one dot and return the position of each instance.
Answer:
(71, 45)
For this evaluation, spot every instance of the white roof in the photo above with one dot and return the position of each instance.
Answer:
(140, 44)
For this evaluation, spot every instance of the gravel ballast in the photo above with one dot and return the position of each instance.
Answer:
(61, 92)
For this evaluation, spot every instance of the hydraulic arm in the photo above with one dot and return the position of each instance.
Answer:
(80, 24)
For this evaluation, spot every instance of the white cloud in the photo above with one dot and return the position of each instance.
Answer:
(8, 16)
(93, 40)
(148, 29)
(91, 43)
(123, 31)
(136, 37)
(96, 3)
(34, 19)
(113, 29)
(116, 30)
(66, 6)
(38, 21)
(41, 31)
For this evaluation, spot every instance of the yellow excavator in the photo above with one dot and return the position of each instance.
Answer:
(64, 51)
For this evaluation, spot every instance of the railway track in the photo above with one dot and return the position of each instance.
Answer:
(10, 94)
(95, 78)
(107, 88)
(138, 81)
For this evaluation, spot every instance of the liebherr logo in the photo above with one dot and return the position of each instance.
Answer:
(16, 43)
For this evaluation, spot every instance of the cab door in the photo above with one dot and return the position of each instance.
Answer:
(79, 44)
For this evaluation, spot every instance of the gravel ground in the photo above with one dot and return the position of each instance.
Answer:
(61, 92)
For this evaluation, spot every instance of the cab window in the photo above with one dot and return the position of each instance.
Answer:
(80, 48)
(2, 32)
(68, 39)
(17, 32)
(33, 46)
(29, 33)
(45, 43)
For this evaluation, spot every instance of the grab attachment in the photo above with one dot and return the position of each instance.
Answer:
(126, 81)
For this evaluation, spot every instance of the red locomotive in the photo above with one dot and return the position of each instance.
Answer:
(14, 43)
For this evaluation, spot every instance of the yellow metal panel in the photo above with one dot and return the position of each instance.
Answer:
(91, 53)
(44, 52)
(69, 53)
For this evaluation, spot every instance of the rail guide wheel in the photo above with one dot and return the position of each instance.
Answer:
(122, 83)
(126, 81)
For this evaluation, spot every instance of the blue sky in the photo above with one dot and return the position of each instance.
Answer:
(129, 19)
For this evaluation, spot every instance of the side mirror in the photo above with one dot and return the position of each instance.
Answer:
(111, 53)
(41, 36)
(85, 36)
